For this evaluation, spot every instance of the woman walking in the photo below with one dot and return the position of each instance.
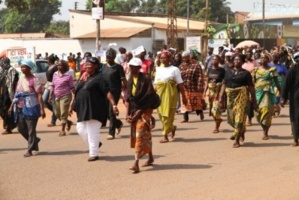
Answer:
(215, 78)
(236, 84)
(167, 79)
(91, 93)
(29, 105)
(142, 99)
(62, 87)
(192, 76)
(49, 74)
(263, 77)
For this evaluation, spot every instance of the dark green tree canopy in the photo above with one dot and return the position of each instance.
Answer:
(29, 15)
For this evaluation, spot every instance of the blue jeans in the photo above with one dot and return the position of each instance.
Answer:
(46, 95)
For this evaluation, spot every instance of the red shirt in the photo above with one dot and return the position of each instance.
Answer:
(145, 67)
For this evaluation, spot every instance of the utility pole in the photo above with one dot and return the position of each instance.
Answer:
(76, 5)
(188, 16)
(171, 32)
(206, 38)
(264, 23)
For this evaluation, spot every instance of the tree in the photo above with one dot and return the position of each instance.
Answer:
(31, 19)
(60, 27)
(218, 9)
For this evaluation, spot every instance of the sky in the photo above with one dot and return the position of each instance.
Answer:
(236, 5)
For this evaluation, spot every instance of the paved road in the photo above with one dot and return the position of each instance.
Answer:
(196, 165)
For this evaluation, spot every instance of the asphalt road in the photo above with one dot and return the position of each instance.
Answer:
(196, 165)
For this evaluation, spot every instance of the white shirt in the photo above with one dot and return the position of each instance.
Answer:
(167, 73)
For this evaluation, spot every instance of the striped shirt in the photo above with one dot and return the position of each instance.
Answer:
(62, 84)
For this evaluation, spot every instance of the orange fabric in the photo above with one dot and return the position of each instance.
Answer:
(72, 65)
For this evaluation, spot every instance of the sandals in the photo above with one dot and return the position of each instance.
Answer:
(27, 154)
(216, 131)
(135, 169)
(62, 133)
(51, 125)
(164, 141)
(266, 138)
(184, 121)
(236, 145)
(148, 163)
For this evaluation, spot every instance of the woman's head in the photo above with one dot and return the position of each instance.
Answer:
(266, 58)
(129, 56)
(27, 66)
(239, 60)
(186, 56)
(91, 65)
(165, 57)
(135, 65)
(216, 60)
(63, 66)
(87, 54)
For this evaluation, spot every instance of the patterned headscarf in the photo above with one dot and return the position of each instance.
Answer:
(166, 53)
(111, 53)
(268, 55)
(5, 63)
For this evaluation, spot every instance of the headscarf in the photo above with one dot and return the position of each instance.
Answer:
(29, 63)
(5, 63)
(185, 53)
(166, 53)
(111, 53)
(268, 55)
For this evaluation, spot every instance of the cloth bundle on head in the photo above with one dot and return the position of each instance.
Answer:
(111, 53)
(194, 52)
(185, 53)
(135, 62)
(229, 53)
(29, 63)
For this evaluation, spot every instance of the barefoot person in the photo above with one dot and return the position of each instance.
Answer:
(215, 78)
(291, 93)
(167, 79)
(236, 84)
(142, 99)
(264, 76)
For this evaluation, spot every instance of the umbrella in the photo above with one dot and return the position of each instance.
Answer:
(247, 43)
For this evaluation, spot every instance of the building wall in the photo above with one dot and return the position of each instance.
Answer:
(239, 18)
(81, 24)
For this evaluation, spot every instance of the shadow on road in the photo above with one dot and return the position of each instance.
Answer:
(277, 137)
(124, 158)
(177, 167)
(62, 153)
(251, 144)
(197, 139)
(12, 149)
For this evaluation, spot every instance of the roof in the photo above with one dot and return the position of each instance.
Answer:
(155, 20)
(22, 35)
(242, 13)
(32, 35)
(116, 32)
(253, 17)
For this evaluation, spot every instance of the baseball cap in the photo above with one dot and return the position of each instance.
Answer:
(135, 62)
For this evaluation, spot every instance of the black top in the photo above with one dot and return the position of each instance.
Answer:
(50, 72)
(90, 99)
(216, 75)
(113, 76)
(234, 79)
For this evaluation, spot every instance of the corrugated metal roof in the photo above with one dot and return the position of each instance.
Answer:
(161, 22)
(117, 32)
(22, 35)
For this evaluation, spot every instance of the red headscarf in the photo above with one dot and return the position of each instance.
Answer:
(166, 53)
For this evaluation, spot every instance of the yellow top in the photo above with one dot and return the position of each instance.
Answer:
(134, 88)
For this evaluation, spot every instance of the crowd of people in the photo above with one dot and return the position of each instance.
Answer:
(245, 83)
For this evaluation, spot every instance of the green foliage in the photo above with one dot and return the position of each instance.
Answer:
(3, 14)
(33, 16)
(60, 27)
(218, 9)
